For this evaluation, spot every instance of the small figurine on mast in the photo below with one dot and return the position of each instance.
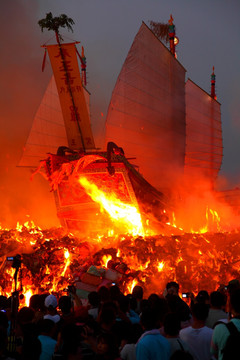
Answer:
(171, 35)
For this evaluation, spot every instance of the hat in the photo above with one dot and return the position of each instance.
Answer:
(51, 300)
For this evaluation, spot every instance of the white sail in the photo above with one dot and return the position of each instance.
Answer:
(146, 115)
(48, 129)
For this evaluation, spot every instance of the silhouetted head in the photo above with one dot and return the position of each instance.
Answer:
(137, 292)
(172, 288)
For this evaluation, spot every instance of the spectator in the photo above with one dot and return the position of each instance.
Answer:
(128, 349)
(151, 345)
(69, 343)
(203, 297)
(172, 288)
(66, 307)
(160, 307)
(51, 306)
(89, 334)
(231, 287)
(48, 344)
(24, 327)
(104, 294)
(216, 312)
(220, 332)
(107, 317)
(31, 349)
(115, 292)
(137, 293)
(176, 304)
(172, 326)
(107, 348)
(94, 302)
(198, 336)
(3, 321)
(35, 303)
(3, 345)
(125, 313)
(3, 303)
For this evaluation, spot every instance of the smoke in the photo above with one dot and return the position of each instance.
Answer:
(20, 66)
(198, 207)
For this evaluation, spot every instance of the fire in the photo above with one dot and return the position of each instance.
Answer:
(27, 296)
(68, 261)
(123, 214)
(53, 259)
(56, 259)
(160, 266)
(130, 286)
(105, 260)
(212, 221)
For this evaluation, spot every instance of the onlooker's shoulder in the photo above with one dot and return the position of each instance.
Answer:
(185, 330)
(220, 330)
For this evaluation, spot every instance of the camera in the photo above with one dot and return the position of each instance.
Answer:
(16, 261)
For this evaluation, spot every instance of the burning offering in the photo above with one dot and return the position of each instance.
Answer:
(42, 261)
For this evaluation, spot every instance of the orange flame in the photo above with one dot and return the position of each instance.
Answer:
(125, 214)
(105, 260)
(131, 285)
(68, 261)
(27, 296)
(212, 221)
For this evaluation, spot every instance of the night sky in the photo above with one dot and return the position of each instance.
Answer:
(208, 31)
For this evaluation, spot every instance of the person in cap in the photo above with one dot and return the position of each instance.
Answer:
(51, 306)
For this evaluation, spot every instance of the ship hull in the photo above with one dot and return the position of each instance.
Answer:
(77, 211)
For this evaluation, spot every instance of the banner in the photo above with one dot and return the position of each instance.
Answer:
(71, 96)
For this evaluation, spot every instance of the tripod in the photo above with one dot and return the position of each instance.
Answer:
(15, 302)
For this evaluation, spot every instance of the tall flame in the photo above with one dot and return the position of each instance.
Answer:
(105, 260)
(67, 263)
(124, 214)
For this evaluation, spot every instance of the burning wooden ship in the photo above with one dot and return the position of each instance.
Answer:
(159, 129)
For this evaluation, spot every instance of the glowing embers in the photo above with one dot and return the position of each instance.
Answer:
(123, 215)
(58, 259)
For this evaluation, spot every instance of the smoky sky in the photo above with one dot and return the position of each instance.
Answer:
(209, 36)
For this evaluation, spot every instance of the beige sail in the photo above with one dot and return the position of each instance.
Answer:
(48, 129)
(204, 148)
(146, 115)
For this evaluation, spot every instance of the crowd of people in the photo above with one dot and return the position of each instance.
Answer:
(113, 326)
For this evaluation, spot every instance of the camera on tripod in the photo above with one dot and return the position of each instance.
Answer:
(16, 261)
